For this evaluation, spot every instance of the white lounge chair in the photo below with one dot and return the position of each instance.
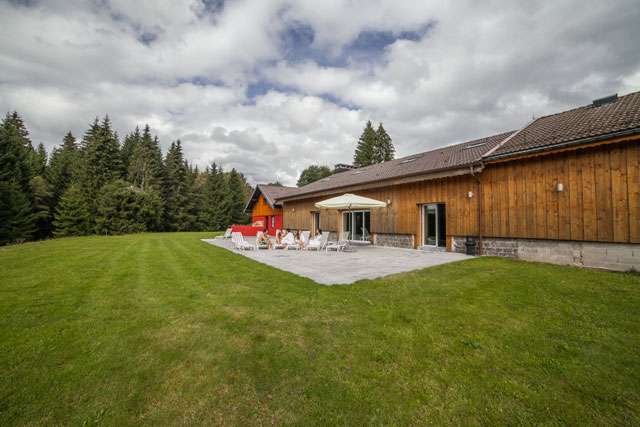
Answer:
(321, 245)
(289, 242)
(338, 246)
(239, 242)
(227, 233)
(304, 238)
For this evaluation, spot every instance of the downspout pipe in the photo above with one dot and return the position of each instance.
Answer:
(476, 176)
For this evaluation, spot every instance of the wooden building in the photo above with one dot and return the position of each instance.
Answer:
(265, 210)
(565, 188)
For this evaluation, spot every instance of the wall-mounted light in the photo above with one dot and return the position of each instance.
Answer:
(293, 209)
(559, 187)
(388, 202)
(470, 194)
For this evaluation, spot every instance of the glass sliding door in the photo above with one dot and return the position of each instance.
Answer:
(434, 224)
(356, 225)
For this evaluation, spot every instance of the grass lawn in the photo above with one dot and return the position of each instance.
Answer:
(164, 329)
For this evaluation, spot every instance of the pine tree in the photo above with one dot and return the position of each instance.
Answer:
(177, 191)
(123, 208)
(16, 219)
(237, 198)
(41, 206)
(215, 207)
(188, 214)
(37, 159)
(128, 147)
(15, 149)
(145, 166)
(365, 150)
(101, 162)
(63, 168)
(384, 149)
(72, 217)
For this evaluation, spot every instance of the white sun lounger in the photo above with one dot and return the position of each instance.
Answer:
(321, 245)
(239, 242)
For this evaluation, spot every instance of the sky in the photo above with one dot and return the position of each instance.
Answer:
(272, 86)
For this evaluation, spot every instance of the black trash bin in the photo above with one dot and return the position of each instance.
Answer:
(471, 245)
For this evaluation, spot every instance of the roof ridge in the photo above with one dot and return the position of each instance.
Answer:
(507, 139)
(588, 106)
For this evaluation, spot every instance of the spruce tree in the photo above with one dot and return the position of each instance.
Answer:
(15, 151)
(122, 208)
(37, 159)
(63, 168)
(41, 207)
(176, 188)
(72, 217)
(145, 166)
(215, 206)
(128, 147)
(237, 198)
(187, 214)
(384, 149)
(16, 219)
(101, 162)
(365, 150)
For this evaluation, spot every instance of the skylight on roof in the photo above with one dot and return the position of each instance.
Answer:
(480, 144)
(356, 172)
(412, 158)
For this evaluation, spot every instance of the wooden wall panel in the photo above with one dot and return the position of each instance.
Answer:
(599, 201)
(564, 199)
(604, 210)
(588, 196)
(619, 194)
(633, 187)
(575, 198)
(262, 208)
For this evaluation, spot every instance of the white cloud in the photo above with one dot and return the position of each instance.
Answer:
(185, 69)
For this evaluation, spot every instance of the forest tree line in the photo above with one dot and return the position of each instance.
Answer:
(99, 185)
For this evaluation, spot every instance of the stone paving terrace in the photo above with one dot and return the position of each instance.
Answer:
(332, 268)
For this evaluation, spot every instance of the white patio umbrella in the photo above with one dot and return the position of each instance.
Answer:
(350, 201)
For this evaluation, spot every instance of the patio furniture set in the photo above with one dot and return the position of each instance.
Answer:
(305, 243)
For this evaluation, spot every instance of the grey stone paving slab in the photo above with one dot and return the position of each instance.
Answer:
(332, 268)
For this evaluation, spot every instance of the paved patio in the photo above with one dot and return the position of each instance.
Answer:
(367, 262)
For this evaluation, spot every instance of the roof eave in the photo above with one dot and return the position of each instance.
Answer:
(465, 169)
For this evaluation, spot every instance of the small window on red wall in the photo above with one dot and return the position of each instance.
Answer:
(273, 222)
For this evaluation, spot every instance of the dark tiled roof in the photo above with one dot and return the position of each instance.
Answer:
(573, 125)
(274, 192)
(271, 194)
(449, 157)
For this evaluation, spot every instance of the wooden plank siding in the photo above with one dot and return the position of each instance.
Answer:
(402, 216)
(600, 200)
(262, 208)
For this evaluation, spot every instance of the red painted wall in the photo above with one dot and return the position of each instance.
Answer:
(270, 226)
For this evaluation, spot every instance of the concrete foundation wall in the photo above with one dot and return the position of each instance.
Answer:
(610, 256)
(394, 240)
